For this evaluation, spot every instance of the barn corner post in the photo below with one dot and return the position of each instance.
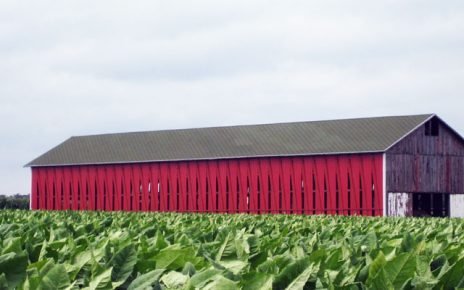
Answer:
(384, 186)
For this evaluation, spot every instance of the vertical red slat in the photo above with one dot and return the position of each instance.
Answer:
(164, 184)
(320, 185)
(343, 185)
(367, 174)
(58, 187)
(212, 175)
(107, 186)
(243, 194)
(173, 189)
(275, 165)
(378, 184)
(67, 180)
(136, 187)
(75, 187)
(308, 185)
(115, 183)
(254, 182)
(84, 187)
(192, 186)
(287, 183)
(110, 185)
(264, 183)
(155, 197)
(233, 192)
(50, 189)
(202, 194)
(298, 180)
(146, 175)
(222, 197)
(183, 180)
(42, 188)
(128, 188)
(119, 188)
(93, 178)
(34, 186)
(355, 177)
(332, 176)
(100, 191)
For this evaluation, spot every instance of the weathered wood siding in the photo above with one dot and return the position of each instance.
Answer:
(421, 163)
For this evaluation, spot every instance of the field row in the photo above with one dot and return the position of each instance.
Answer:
(107, 250)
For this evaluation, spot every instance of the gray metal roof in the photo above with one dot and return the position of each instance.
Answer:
(285, 139)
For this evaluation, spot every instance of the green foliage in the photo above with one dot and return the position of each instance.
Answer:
(117, 250)
(16, 201)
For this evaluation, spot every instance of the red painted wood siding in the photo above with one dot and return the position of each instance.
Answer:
(334, 185)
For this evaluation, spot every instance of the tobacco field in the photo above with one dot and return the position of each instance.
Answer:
(116, 250)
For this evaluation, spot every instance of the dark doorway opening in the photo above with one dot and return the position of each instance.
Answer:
(430, 204)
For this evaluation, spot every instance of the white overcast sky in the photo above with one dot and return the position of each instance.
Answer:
(87, 67)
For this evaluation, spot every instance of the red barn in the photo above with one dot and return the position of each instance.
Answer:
(406, 166)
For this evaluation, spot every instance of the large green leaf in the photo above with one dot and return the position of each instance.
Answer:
(145, 281)
(102, 280)
(400, 269)
(295, 274)
(221, 283)
(174, 257)
(123, 264)
(257, 281)
(200, 279)
(55, 278)
(14, 266)
(174, 280)
(453, 277)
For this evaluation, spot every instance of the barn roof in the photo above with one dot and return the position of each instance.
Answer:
(363, 135)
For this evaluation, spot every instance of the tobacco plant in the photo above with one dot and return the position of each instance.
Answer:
(123, 250)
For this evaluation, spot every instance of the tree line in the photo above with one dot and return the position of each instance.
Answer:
(17, 201)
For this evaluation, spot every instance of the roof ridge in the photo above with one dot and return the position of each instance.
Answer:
(251, 125)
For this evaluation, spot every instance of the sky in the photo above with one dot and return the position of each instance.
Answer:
(70, 68)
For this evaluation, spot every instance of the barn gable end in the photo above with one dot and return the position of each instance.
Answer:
(427, 163)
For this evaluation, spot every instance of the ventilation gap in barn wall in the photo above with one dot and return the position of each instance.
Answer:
(349, 194)
(95, 195)
(187, 194)
(269, 194)
(237, 206)
(62, 195)
(280, 195)
(54, 196)
(248, 195)
(79, 196)
(70, 196)
(303, 190)
(227, 194)
(291, 197)
(258, 186)
(373, 195)
(131, 197)
(196, 194)
(337, 195)
(314, 194)
(177, 195)
(207, 193)
(168, 195)
(217, 195)
(113, 193)
(140, 195)
(105, 194)
(121, 196)
(325, 195)
(361, 189)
